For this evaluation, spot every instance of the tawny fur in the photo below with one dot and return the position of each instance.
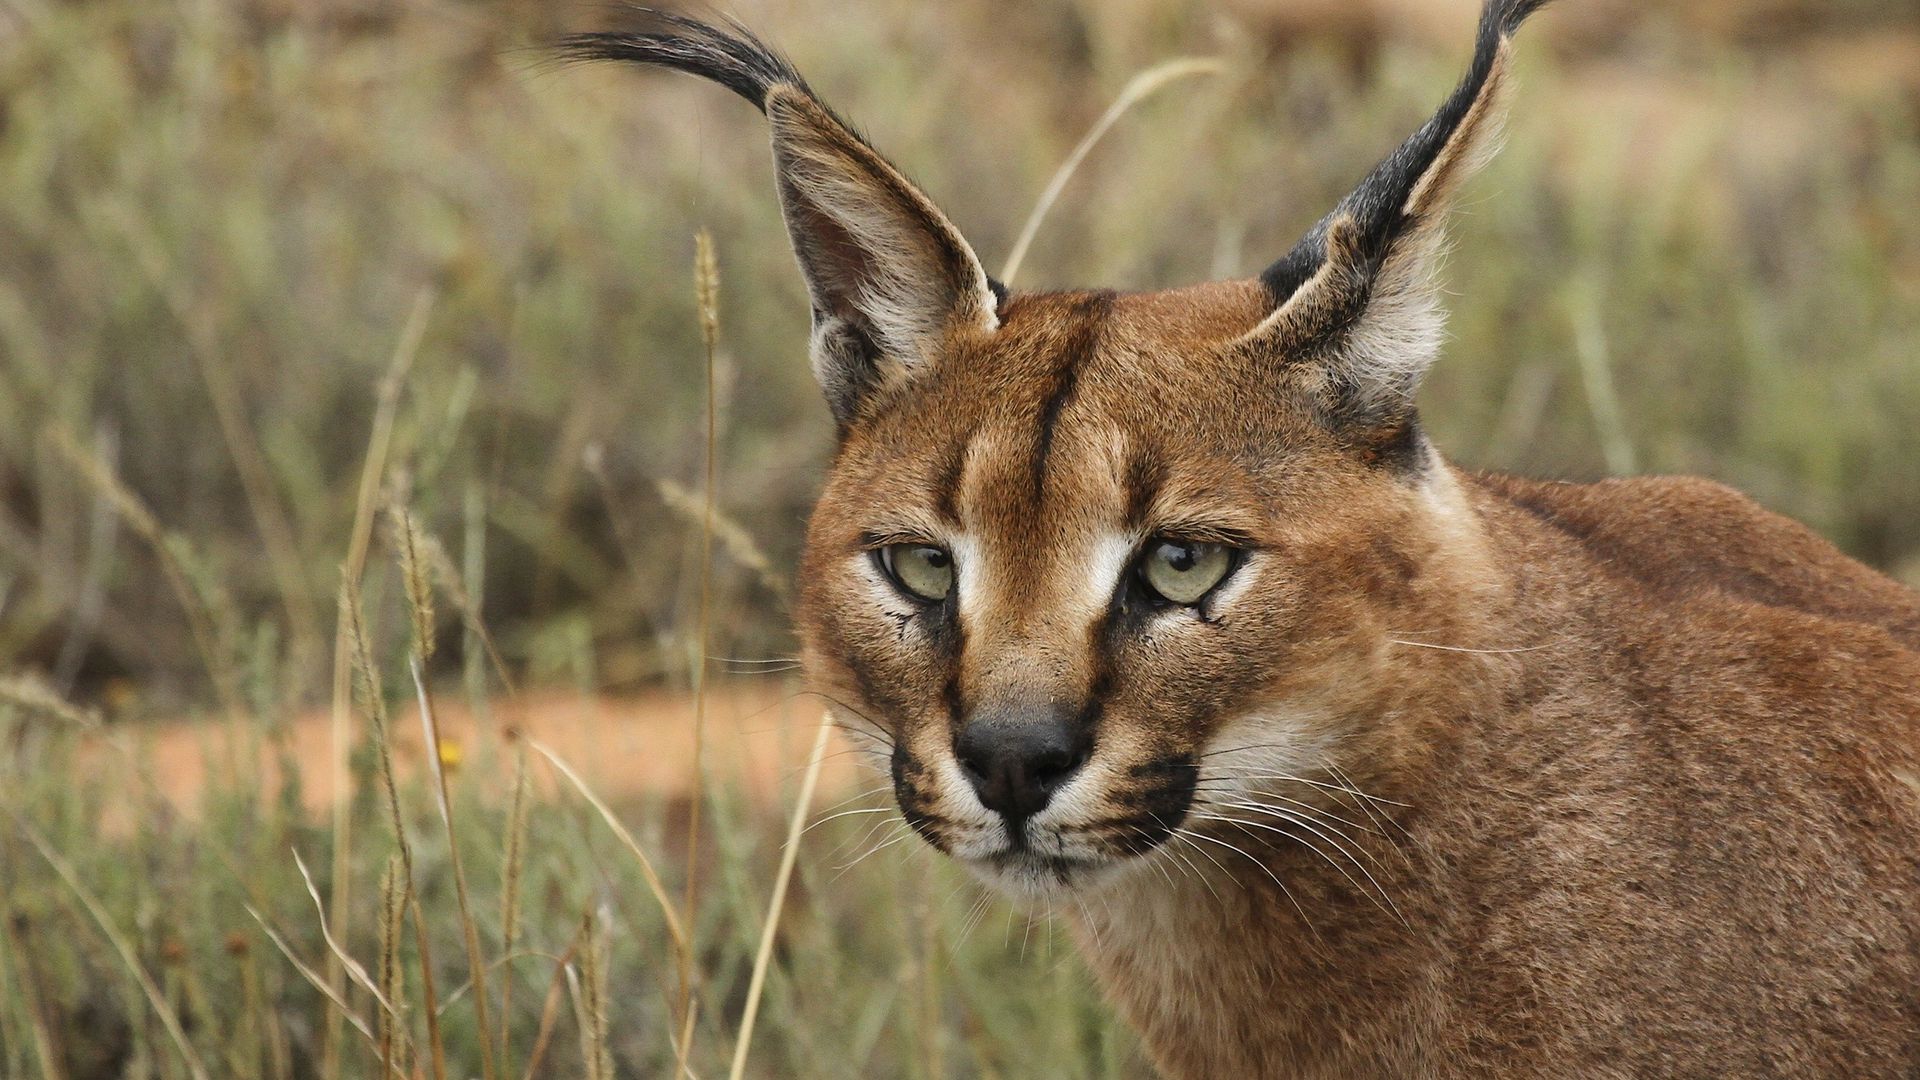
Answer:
(1665, 823)
(1451, 775)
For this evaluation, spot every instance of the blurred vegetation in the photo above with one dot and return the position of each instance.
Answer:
(887, 963)
(221, 220)
(216, 216)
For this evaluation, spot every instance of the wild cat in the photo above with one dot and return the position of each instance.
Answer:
(1161, 611)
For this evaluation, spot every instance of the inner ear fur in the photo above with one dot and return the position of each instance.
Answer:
(1357, 319)
(888, 275)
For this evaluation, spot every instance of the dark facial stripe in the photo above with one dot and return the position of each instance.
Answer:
(946, 492)
(955, 701)
(909, 775)
(1145, 473)
(872, 690)
(1090, 317)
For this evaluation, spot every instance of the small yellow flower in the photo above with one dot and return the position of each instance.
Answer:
(119, 694)
(450, 754)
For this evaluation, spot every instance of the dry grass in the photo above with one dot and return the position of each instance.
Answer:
(268, 269)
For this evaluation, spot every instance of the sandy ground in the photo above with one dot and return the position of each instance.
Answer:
(758, 734)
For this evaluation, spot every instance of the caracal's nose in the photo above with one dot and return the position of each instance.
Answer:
(1017, 758)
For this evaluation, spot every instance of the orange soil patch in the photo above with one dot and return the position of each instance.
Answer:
(758, 733)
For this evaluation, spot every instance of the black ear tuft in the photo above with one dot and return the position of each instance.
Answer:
(1357, 319)
(889, 276)
(1379, 206)
(731, 55)
(1515, 12)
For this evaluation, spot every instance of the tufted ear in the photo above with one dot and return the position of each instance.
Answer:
(1357, 319)
(889, 276)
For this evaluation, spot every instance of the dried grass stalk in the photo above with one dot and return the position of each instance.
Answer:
(393, 907)
(550, 1010)
(512, 868)
(706, 282)
(476, 963)
(683, 954)
(121, 945)
(413, 573)
(314, 978)
(373, 699)
(1138, 89)
(353, 967)
(733, 537)
(372, 468)
(590, 1004)
(788, 856)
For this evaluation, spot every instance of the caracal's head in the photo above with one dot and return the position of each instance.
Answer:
(1088, 563)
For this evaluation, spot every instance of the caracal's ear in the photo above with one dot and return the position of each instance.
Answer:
(1356, 320)
(889, 275)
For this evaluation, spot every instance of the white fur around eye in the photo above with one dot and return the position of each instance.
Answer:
(1230, 591)
(882, 593)
(969, 572)
(1110, 558)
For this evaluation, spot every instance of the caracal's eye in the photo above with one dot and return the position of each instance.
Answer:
(1184, 571)
(923, 570)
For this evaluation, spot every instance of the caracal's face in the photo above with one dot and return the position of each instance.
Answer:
(1090, 576)
(1087, 567)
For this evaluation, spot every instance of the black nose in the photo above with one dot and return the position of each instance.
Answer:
(1016, 760)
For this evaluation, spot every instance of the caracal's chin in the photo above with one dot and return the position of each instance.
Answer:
(1035, 880)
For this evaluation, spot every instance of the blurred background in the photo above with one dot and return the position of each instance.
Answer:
(216, 217)
(248, 247)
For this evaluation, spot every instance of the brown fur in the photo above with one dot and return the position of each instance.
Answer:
(1679, 834)
(1449, 775)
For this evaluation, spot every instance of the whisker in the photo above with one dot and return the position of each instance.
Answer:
(1155, 860)
(1347, 846)
(1239, 750)
(1304, 807)
(976, 914)
(1345, 786)
(862, 840)
(1388, 906)
(872, 791)
(1190, 870)
(1198, 874)
(904, 833)
(1383, 817)
(794, 772)
(1309, 814)
(1288, 893)
(1462, 649)
(865, 728)
(1190, 836)
(1086, 920)
(878, 730)
(846, 813)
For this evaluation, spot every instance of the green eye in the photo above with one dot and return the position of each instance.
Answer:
(1183, 572)
(920, 569)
